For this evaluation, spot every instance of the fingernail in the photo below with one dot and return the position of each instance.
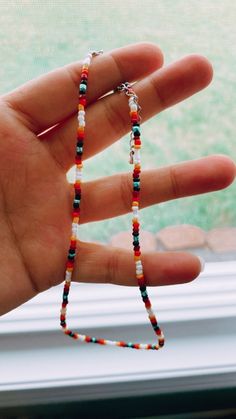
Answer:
(202, 263)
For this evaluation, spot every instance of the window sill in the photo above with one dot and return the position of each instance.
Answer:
(41, 365)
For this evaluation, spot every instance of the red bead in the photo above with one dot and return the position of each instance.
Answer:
(148, 304)
(73, 244)
(87, 339)
(82, 100)
(101, 341)
(137, 253)
(70, 263)
(141, 282)
(63, 317)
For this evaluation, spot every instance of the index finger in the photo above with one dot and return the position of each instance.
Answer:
(53, 97)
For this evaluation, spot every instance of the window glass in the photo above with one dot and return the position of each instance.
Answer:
(38, 36)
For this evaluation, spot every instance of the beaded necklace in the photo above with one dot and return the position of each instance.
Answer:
(135, 145)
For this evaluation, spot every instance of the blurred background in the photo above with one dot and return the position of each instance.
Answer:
(38, 36)
(197, 368)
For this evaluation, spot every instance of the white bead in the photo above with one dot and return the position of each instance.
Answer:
(133, 107)
(78, 175)
(150, 312)
(139, 272)
(138, 263)
(111, 342)
(143, 345)
(135, 213)
(137, 154)
(81, 113)
(81, 123)
(68, 276)
(75, 228)
(82, 337)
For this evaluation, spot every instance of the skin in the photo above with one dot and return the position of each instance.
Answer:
(37, 147)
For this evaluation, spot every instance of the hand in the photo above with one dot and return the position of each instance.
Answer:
(36, 198)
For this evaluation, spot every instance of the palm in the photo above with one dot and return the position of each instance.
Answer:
(36, 199)
(34, 203)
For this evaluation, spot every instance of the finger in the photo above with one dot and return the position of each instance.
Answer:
(111, 196)
(108, 119)
(53, 97)
(105, 264)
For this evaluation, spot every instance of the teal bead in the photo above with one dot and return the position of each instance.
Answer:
(77, 201)
(136, 130)
(82, 88)
(94, 340)
(136, 238)
(137, 184)
(79, 149)
(144, 294)
(130, 344)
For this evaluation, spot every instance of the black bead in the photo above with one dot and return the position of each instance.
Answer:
(77, 195)
(136, 188)
(80, 143)
(75, 205)
(71, 251)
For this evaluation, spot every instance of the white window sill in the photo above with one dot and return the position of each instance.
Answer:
(39, 364)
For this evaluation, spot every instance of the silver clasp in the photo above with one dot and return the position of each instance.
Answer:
(95, 53)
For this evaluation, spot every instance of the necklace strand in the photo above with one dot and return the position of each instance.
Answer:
(135, 145)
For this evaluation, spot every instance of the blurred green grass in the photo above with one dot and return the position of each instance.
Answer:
(38, 36)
